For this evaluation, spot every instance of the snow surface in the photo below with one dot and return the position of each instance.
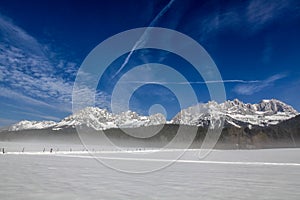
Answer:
(230, 174)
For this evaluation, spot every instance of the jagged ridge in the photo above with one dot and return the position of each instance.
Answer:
(96, 118)
(237, 113)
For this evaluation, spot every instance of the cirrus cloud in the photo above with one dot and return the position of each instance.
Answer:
(251, 88)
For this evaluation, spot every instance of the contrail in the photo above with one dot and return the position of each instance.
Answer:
(144, 36)
(187, 83)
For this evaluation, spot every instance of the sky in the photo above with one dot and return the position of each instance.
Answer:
(255, 45)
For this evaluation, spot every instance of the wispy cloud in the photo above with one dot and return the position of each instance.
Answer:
(251, 88)
(4, 121)
(262, 12)
(145, 35)
(192, 82)
(28, 73)
(216, 21)
(8, 93)
(44, 117)
(28, 110)
(267, 52)
(251, 16)
(14, 35)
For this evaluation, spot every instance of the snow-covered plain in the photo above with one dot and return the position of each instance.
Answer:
(224, 174)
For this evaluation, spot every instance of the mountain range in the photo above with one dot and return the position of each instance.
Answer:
(236, 113)
(267, 124)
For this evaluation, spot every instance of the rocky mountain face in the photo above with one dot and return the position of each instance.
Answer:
(236, 113)
(96, 118)
(25, 124)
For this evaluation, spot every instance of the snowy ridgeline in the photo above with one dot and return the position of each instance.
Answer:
(237, 113)
(282, 135)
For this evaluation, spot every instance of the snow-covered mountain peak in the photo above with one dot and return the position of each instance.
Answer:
(263, 114)
(274, 106)
(96, 118)
(101, 119)
(93, 117)
(25, 124)
(236, 112)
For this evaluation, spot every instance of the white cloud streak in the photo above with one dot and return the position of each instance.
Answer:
(27, 73)
(262, 12)
(12, 34)
(4, 121)
(24, 99)
(251, 16)
(44, 117)
(30, 76)
(145, 35)
(251, 88)
(192, 82)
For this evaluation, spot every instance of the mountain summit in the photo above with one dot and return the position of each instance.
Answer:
(267, 112)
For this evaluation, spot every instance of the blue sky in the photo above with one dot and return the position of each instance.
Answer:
(255, 45)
